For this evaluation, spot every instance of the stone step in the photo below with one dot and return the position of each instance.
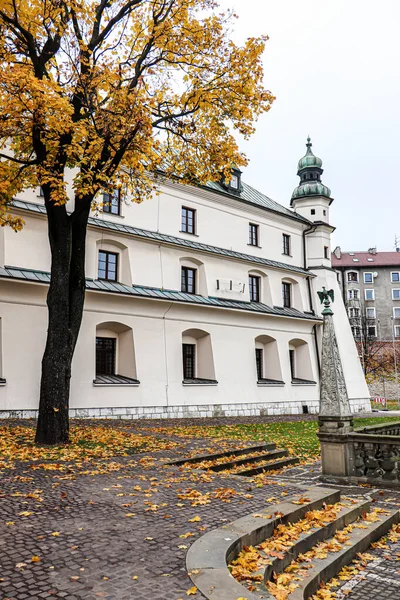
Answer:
(359, 541)
(272, 466)
(279, 453)
(202, 457)
(347, 515)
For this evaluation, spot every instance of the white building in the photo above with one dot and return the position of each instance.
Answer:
(201, 301)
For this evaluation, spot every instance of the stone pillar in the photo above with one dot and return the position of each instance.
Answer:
(335, 419)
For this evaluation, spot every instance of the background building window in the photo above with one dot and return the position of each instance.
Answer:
(371, 313)
(188, 280)
(188, 220)
(286, 244)
(396, 313)
(108, 265)
(189, 361)
(112, 202)
(354, 313)
(254, 288)
(370, 294)
(253, 234)
(356, 331)
(396, 294)
(352, 276)
(368, 278)
(371, 331)
(397, 330)
(395, 277)
(105, 356)
(286, 294)
(353, 294)
(259, 363)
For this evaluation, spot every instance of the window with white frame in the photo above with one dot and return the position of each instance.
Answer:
(396, 294)
(352, 276)
(397, 331)
(353, 294)
(395, 276)
(396, 313)
(371, 331)
(370, 312)
(369, 294)
(356, 332)
(354, 313)
(368, 278)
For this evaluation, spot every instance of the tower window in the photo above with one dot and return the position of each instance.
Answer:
(326, 252)
(313, 211)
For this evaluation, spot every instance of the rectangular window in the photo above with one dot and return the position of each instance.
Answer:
(353, 294)
(105, 356)
(396, 313)
(188, 220)
(369, 294)
(188, 280)
(287, 294)
(354, 313)
(259, 363)
(253, 234)
(356, 332)
(352, 276)
(370, 313)
(368, 278)
(41, 195)
(292, 363)
(395, 277)
(254, 288)
(108, 265)
(112, 203)
(286, 244)
(395, 294)
(326, 252)
(234, 183)
(371, 331)
(397, 330)
(189, 361)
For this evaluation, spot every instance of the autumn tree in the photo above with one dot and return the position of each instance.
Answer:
(112, 93)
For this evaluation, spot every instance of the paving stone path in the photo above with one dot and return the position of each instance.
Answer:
(89, 548)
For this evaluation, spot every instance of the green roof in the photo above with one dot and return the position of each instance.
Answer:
(173, 240)
(309, 159)
(140, 291)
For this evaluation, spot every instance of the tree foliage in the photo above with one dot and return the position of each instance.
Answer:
(119, 89)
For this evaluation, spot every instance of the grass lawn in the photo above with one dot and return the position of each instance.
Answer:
(298, 437)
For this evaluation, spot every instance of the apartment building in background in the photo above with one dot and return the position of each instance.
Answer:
(370, 286)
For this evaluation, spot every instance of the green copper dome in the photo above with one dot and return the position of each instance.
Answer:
(309, 160)
(311, 189)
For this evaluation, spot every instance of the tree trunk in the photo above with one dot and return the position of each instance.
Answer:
(65, 300)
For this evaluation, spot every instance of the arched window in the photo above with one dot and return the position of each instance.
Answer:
(259, 288)
(197, 358)
(115, 355)
(113, 261)
(300, 362)
(267, 360)
(193, 276)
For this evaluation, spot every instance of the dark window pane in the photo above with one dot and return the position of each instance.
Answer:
(105, 356)
(254, 288)
(286, 294)
(292, 363)
(286, 244)
(188, 280)
(253, 234)
(188, 220)
(259, 363)
(107, 265)
(189, 357)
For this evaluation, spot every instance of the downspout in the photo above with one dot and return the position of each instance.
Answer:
(306, 232)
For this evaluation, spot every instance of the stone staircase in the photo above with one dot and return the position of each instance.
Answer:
(336, 531)
(245, 461)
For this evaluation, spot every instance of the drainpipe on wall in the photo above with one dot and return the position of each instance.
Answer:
(306, 232)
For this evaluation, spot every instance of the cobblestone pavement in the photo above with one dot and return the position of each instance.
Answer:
(124, 535)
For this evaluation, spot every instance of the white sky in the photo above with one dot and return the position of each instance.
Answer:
(333, 66)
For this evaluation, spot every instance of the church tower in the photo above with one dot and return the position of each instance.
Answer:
(312, 199)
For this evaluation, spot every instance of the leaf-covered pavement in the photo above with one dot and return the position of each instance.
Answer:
(106, 517)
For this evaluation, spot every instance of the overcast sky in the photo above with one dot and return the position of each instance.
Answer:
(333, 66)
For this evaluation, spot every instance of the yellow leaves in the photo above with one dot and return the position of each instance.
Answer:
(25, 513)
(55, 533)
(195, 519)
(130, 514)
(35, 559)
(186, 535)
(192, 591)
(302, 500)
